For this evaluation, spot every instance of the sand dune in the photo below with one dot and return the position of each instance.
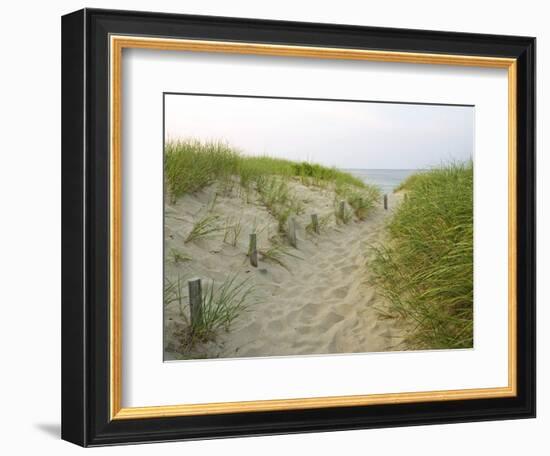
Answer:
(319, 304)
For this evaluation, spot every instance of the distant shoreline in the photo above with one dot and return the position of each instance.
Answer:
(386, 179)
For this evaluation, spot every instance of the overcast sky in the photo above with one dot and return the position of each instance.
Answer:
(342, 134)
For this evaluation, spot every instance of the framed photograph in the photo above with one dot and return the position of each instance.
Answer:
(279, 227)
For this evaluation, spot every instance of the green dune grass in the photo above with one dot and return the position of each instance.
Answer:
(426, 269)
(191, 165)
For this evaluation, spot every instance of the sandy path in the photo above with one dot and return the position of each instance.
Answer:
(322, 304)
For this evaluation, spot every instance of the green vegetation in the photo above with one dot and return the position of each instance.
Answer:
(277, 197)
(361, 201)
(426, 270)
(277, 252)
(221, 305)
(314, 174)
(232, 231)
(342, 214)
(191, 165)
(410, 182)
(173, 293)
(206, 226)
(323, 223)
(178, 257)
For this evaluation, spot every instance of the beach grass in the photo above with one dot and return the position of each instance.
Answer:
(277, 252)
(192, 164)
(205, 226)
(173, 293)
(322, 224)
(361, 201)
(426, 268)
(280, 201)
(179, 257)
(232, 231)
(342, 216)
(221, 304)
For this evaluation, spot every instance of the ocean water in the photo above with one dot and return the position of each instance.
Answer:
(386, 179)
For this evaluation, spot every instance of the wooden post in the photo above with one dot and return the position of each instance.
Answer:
(252, 250)
(195, 301)
(342, 210)
(386, 201)
(315, 223)
(405, 197)
(292, 232)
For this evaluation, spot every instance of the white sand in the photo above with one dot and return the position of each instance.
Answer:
(321, 304)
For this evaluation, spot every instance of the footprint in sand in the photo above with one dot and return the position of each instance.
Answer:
(333, 346)
(275, 325)
(253, 349)
(333, 259)
(251, 331)
(341, 263)
(386, 333)
(317, 291)
(276, 291)
(291, 292)
(308, 311)
(374, 327)
(331, 319)
(348, 269)
(304, 330)
(340, 292)
(292, 316)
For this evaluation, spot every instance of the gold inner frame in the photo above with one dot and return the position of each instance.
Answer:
(117, 44)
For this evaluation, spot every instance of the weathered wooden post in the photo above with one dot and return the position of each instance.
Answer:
(315, 223)
(252, 250)
(195, 301)
(405, 197)
(342, 210)
(292, 232)
(385, 201)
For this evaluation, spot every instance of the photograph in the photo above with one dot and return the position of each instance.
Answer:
(270, 225)
(305, 226)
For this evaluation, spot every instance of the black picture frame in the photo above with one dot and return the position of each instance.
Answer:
(85, 228)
